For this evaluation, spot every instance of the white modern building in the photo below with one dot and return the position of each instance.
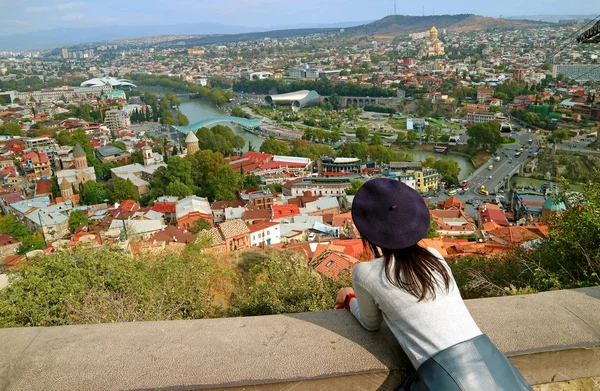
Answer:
(121, 84)
(264, 233)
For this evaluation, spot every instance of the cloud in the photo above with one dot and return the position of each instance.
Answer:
(76, 5)
(72, 17)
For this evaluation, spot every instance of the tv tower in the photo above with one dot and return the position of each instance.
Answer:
(395, 8)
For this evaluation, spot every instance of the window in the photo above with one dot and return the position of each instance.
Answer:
(329, 264)
(268, 232)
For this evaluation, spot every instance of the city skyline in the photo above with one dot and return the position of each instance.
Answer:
(32, 15)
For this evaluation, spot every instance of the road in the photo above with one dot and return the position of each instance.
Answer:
(506, 165)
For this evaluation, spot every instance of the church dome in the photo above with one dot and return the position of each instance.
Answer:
(433, 30)
(191, 138)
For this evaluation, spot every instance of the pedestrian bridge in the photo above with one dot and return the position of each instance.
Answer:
(243, 122)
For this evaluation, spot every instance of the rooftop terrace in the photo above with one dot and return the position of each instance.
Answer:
(551, 337)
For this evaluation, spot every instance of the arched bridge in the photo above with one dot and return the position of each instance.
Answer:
(243, 122)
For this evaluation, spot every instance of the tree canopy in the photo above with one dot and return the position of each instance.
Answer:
(485, 136)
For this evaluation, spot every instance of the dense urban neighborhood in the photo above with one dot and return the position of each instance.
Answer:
(142, 148)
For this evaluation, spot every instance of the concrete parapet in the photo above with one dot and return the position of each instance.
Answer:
(551, 337)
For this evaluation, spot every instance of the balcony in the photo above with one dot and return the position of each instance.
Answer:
(551, 337)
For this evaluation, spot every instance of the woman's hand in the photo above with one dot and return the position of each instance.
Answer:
(340, 300)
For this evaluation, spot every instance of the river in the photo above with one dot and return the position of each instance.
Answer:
(466, 167)
(199, 110)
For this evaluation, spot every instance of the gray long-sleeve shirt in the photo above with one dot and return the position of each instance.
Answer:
(422, 328)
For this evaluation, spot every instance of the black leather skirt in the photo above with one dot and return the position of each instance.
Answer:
(472, 365)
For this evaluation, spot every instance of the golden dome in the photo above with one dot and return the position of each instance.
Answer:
(433, 30)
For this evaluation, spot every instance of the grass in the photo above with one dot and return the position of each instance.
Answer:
(397, 123)
(509, 140)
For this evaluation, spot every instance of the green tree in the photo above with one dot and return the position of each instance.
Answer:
(10, 225)
(362, 134)
(93, 193)
(411, 136)
(376, 140)
(275, 147)
(55, 187)
(251, 181)
(119, 144)
(279, 282)
(400, 138)
(229, 183)
(335, 101)
(200, 225)
(449, 170)
(485, 136)
(432, 231)
(11, 129)
(121, 189)
(182, 120)
(178, 189)
(76, 219)
(238, 112)
(558, 136)
(354, 186)
(357, 150)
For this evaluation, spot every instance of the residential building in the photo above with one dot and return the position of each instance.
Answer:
(52, 221)
(321, 207)
(453, 222)
(191, 209)
(334, 264)
(490, 213)
(484, 94)
(213, 240)
(426, 180)
(451, 203)
(262, 199)
(36, 165)
(264, 234)
(235, 234)
(139, 175)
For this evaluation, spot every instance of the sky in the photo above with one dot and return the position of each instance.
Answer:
(20, 16)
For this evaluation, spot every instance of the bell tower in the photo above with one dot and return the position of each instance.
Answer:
(148, 155)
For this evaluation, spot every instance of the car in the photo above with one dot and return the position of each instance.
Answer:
(312, 236)
(490, 177)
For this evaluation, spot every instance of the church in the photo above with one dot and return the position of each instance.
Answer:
(433, 46)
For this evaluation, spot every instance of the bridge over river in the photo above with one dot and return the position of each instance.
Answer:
(248, 124)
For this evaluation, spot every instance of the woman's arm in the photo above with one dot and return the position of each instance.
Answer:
(364, 309)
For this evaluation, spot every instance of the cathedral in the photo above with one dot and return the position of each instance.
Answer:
(433, 46)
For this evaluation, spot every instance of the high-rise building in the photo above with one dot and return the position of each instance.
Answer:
(114, 120)
(65, 53)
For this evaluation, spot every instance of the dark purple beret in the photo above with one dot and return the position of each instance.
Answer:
(390, 214)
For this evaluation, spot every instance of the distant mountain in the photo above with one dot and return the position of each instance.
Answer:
(73, 36)
(551, 18)
(403, 24)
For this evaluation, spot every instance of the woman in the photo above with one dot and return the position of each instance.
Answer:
(413, 290)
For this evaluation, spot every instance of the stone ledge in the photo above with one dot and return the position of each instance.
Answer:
(551, 337)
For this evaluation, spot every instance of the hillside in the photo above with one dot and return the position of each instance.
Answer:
(404, 24)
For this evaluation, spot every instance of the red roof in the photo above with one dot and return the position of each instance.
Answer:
(331, 264)
(164, 207)
(353, 247)
(10, 170)
(262, 226)
(129, 206)
(257, 157)
(280, 211)
(43, 186)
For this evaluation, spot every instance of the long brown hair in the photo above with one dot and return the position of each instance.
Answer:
(415, 270)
